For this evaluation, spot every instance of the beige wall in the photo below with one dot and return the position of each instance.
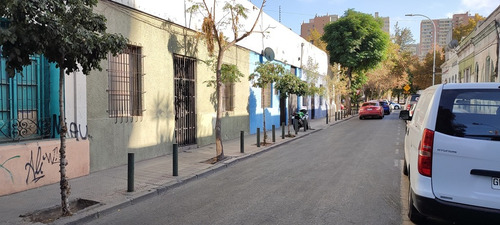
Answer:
(33, 164)
(151, 135)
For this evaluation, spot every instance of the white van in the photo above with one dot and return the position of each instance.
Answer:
(452, 153)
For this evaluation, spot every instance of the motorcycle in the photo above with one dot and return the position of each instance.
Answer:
(301, 117)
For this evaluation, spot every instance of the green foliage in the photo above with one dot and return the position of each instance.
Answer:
(356, 41)
(266, 73)
(290, 84)
(229, 73)
(403, 38)
(67, 33)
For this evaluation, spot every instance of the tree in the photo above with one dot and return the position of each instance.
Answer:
(334, 85)
(265, 74)
(287, 85)
(355, 41)
(465, 29)
(211, 29)
(422, 71)
(389, 75)
(403, 38)
(67, 33)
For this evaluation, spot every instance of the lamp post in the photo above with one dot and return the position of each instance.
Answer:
(433, 45)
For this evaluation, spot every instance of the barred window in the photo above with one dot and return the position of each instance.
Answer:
(304, 100)
(125, 83)
(228, 97)
(24, 100)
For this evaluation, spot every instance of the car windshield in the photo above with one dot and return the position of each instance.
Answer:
(470, 113)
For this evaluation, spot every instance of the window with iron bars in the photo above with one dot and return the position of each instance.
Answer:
(125, 83)
(24, 100)
(228, 97)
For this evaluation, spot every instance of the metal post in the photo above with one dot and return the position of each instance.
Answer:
(327, 117)
(305, 124)
(274, 133)
(258, 137)
(242, 142)
(175, 160)
(336, 115)
(130, 173)
(283, 130)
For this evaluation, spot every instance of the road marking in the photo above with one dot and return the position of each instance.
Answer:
(397, 152)
(396, 162)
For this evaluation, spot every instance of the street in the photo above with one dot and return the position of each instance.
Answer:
(349, 173)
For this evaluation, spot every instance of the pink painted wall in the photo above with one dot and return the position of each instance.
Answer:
(28, 165)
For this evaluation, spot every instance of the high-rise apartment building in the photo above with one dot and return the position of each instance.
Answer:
(444, 28)
(319, 22)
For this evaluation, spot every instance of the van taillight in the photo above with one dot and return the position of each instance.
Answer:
(425, 153)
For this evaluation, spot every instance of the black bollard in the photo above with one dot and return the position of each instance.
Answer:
(242, 142)
(305, 125)
(283, 130)
(336, 116)
(130, 173)
(274, 133)
(175, 159)
(326, 118)
(258, 137)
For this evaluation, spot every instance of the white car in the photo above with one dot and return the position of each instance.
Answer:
(394, 105)
(452, 154)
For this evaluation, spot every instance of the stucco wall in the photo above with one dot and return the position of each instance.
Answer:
(33, 164)
(151, 134)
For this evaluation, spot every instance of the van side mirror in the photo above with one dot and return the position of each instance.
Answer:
(404, 115)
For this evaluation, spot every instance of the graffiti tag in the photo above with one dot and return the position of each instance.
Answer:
(74, 131)
(8, 171)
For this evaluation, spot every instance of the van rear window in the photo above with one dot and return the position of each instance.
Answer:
(470, 113)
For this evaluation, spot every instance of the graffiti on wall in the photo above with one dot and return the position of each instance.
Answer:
(4, 168)
(74, 131)
(35, 165)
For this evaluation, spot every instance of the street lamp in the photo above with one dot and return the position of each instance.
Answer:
(433, 45)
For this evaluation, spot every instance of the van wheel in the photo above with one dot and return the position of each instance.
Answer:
(405, 168)
(413, 214)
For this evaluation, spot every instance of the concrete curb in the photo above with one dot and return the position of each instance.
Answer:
(103, 209)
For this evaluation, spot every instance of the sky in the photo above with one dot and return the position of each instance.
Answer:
(295, 12)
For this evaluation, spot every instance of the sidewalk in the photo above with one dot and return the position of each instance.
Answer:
(152, 178)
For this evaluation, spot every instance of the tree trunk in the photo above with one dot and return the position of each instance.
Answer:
(63, 162)
(218, 130)
(348, 96)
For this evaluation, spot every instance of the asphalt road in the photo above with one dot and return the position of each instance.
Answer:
(349, 173)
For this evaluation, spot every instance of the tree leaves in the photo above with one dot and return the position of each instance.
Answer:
(54, 28)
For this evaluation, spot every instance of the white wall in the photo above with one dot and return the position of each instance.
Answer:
(287, 45)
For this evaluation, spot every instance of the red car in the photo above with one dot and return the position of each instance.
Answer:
(371, 109)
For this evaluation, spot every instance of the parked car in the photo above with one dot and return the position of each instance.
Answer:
(371, 109)
(387, 108)
(394, 105)
(412, 99)
(452, 154)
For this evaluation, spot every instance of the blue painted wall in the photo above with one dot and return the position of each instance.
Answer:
(273, 113)
(255, 99)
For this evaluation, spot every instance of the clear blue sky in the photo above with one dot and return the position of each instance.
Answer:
(294, 12)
